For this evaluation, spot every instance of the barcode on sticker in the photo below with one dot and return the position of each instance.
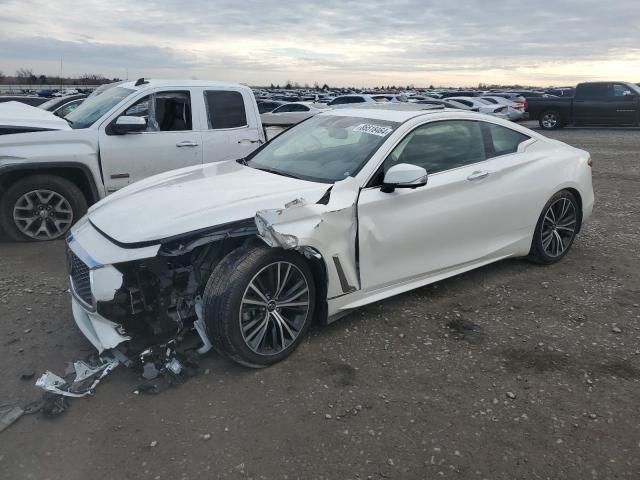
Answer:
(378, 130)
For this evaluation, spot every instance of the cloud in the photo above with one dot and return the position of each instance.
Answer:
(260, 41)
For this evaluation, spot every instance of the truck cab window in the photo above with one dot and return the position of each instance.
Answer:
(164, 111)
(225, 109)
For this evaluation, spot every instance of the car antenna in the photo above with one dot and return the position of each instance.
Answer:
(140, 81)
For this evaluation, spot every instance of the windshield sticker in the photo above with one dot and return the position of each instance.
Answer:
(378, 130)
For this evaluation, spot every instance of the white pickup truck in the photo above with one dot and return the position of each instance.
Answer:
(133, 130)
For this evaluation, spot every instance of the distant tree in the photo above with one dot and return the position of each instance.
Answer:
(2, 77)
(296, 85)
(24, 73)
(325, 87)
(288, 85)
(278, 87)
(271, 86)
(431, 87)
(43, 79)
(316, 86)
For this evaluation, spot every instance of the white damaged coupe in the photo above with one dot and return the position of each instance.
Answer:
(347, 208)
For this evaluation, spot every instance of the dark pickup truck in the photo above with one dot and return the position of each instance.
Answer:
(594, 103)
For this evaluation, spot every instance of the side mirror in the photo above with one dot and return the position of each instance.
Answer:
(126, 124)
(404, 175)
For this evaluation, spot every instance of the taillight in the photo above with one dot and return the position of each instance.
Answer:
(590, 161)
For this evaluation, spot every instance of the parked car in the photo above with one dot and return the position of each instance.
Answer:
(350, 100)
(561, 92)
(62, 106)
(16, 117)
(266, 106)
(307, 228)
(478, 105)
(594, 103)
(291, 113)
(26, 99)
(515, 110)
(128, 132)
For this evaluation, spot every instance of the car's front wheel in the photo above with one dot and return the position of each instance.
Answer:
(259, 302)
(41, 207)
(556, 229)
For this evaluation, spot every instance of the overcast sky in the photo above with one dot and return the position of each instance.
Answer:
(340, 42)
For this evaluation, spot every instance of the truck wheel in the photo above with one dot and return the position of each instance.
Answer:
(550, 120)
(258, 304)
(41, 208)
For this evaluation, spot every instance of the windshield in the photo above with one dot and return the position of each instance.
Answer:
(324, 148)
(93, 108)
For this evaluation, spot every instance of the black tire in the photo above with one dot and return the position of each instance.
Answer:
(542, 250)
(224, 294)
(550, 120)
(77, 204)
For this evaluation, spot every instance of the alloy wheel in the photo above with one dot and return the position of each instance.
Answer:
(559, 227)
(42, 214)
(274, 308)
(549, 120)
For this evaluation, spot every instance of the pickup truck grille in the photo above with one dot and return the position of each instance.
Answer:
(80, 279)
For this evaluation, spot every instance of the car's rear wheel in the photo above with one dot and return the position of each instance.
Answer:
(556, 229)
(40, 208)
(259, 302)
(550, 120)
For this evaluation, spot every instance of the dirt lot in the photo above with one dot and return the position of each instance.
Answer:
(547, 386)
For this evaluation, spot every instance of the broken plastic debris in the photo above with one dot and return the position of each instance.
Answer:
(9, 413)
(200, 328)
(52, 383)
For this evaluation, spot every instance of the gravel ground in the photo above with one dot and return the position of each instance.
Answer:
(539, 378)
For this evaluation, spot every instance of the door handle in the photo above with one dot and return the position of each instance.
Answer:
(477, 175)
(246, 140)
(187, 143)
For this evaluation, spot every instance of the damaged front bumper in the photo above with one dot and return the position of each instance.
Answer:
(102, 333)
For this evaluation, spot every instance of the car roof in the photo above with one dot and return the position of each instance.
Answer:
(152, 83)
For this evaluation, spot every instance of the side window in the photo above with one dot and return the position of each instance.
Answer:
(503, 140)
(225, 109)
(440, 146)
(619, 90)
(164, 111)
(592, 90)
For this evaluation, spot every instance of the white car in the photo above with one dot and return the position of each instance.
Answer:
(347, 208)
(291, 113)
(515, 110)
(481, 106)
(347, 101)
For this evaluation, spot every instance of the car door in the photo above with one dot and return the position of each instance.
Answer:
(231, 129)
(442, 226)
(591, 105)
(623, 103)
(170, 141)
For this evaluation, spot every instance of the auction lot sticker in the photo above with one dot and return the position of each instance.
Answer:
(378, 130)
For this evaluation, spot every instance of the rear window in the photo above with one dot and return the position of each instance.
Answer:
(504, 140)
(225, 109)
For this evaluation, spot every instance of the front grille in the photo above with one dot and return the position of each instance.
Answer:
(80, 278)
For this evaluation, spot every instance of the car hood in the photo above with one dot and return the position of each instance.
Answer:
(193, 198)
(16, 114)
